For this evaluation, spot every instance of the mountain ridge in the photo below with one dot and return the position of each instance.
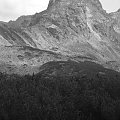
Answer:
(75, 29)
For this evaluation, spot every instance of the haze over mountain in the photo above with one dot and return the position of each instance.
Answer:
(12, 9)
(76, 30)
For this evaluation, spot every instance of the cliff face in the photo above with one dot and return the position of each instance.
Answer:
(76, 29)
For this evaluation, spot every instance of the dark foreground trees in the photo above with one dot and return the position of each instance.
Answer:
(58, 95)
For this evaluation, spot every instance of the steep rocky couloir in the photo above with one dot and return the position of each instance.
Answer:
(78, 29)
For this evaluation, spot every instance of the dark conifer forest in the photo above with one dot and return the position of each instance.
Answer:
(61, 91)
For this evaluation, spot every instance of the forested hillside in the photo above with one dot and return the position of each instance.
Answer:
(61, 91)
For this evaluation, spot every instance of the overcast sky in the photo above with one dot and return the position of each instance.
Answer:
(12, 9)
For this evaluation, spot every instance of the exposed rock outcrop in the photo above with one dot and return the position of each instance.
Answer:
(77, 29)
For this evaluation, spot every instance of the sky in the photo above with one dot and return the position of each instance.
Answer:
(12, 9)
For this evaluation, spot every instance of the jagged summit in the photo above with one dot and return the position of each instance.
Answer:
(67, 2)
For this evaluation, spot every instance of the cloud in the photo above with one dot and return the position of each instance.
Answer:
(110, 5)
(12, 9)
(6, 9)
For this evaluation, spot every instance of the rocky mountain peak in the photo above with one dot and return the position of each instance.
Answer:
(67, 2)
(75, 29)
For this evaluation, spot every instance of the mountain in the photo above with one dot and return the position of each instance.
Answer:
(77, 30)
(61, 64)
